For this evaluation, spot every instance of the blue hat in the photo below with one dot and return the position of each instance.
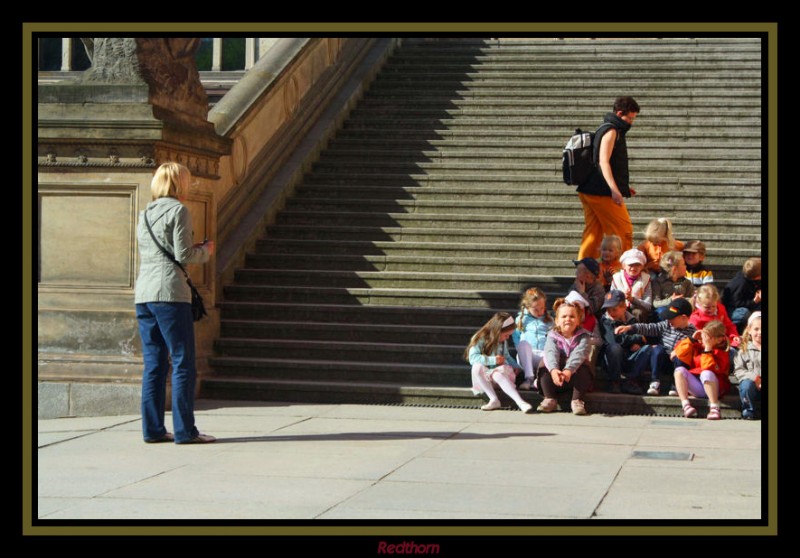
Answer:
(590, 263)
(613, 298)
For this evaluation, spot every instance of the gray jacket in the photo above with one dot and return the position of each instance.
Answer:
(159, 279)
(747, 364)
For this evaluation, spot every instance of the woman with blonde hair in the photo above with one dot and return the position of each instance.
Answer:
(163, 307)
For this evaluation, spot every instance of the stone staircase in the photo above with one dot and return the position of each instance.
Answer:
(440, 200)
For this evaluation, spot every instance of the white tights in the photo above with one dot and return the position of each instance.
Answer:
(505, 383)
(529, 359)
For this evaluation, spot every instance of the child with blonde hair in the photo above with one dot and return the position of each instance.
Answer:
(565, 359)
(747, 366)
(707, 308)
(491, 362)
(610, 251)
(702, 366)
(659, 239)
(533, 324)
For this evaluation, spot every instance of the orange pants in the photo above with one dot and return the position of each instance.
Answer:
(603, 216)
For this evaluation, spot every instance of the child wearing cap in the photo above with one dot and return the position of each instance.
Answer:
(694, 254)
(635, 285)
(747, 366)
(625, 352)
(742, 295)
(674, 327)
(659, 240)
(671, 283)
(610, 251)
(587, 284)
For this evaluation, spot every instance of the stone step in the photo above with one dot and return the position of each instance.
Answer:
(410, 317)
(341, 351)
(599, 90)
(390, 210)
(650, 194)
(582, 105)
(374, 332)
(546, 135)
(378, 155)
(376, 296)
(235, 387)
(470, 237)
(725, 267)
(499, 281)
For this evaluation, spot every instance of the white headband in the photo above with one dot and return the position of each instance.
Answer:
(754, 316)
(509, 322)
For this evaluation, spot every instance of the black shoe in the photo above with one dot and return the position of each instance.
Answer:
(614, 387)
(631, 388)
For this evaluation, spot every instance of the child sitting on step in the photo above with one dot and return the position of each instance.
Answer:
(634, 284)
(658, 241)
(492, 364)
(533, 323)
(672, 282)
(701, 368)
(610, 251)
(565, 359)
(707, 307)
(747, 366)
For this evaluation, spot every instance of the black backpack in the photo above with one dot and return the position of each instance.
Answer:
(579, 157)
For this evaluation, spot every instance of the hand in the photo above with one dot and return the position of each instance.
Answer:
(557, 376)
(208, 244)
(499, 360)
(616, 196)
(566, 374)
(635, 347)
(633, 192)
(697, 335)
(623, 329)
(758, 382)
(581, 285)
(708, 341)
(757, 298)
(736, 341)
(672, 355)
(677, 295)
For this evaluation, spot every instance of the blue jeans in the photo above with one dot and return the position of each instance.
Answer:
(616, 362)
(654, 357)
(167, 331)
(748, 392)
(739, 318)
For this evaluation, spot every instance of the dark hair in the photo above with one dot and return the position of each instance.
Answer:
(626, 105)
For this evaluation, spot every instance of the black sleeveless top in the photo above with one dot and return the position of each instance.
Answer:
(596, 185)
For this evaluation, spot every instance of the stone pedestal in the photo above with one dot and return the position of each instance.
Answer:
(99, 142)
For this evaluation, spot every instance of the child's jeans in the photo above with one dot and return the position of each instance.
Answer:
(749, 393)
(617, 360)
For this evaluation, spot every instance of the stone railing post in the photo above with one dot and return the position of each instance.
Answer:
(99, 140)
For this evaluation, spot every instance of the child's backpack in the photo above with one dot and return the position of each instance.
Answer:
(579, 157)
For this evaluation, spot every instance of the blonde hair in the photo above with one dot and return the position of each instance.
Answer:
(490, 334)
(716, 328)
(752, 267)
(170, 181)
(747, 337)
(670, 260)
(658, 229)
(612, 241)
(562, 303)
(707, 293)
(530, 296)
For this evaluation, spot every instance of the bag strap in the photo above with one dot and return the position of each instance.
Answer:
(164, 250)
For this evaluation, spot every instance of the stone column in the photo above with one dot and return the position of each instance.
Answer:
(99, 140)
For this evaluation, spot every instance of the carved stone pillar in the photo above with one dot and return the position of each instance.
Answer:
(99, 140)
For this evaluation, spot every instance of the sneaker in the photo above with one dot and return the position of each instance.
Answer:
(614, 387)
(653, 389)
(168, 437)
(632, 388)
(578, 408)
(526, 408)
(547, 405)
(748, 414)
(201, 439)
(672, 390)
(526, 385)
(689, 411)
(491, 405)
(714, 414)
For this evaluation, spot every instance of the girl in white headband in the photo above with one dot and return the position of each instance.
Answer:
(491, 362)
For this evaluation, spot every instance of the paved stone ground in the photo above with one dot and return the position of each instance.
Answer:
(277, 461)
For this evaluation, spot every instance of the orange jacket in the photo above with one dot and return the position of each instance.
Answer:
(691, 352)
(653, 253)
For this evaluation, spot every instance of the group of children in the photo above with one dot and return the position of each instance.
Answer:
(648, 314)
